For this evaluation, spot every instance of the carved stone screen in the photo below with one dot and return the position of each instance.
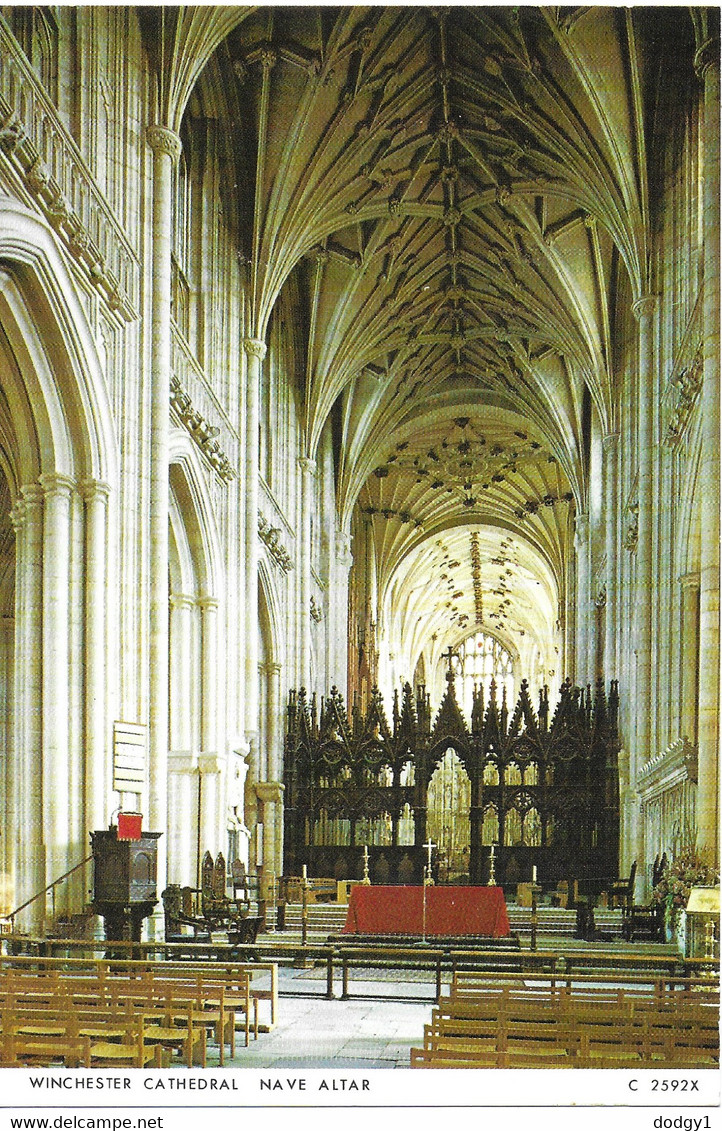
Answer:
(542, 788)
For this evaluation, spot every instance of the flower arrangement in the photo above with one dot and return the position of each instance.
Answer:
(688, 870)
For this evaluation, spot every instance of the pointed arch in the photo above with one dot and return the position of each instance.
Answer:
(56, 389)
(192, 498)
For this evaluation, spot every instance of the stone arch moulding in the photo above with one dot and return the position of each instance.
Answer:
(269, 616)
(194, 508)
(64, 386)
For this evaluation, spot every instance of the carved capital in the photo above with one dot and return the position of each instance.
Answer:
(270, 792)
(210, 763)
(254, 347)
(54, 484)
(307, 465)
(181, 601)
(32, 495)
(162, 140)
(644, 307)
(91, 489)
(689, 581)
(207, 602)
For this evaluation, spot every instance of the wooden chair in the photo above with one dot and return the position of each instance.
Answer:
(239, 884)
(645, 921)
(621, 892)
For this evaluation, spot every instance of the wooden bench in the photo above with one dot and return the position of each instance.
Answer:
(176, 1015)
(643, 984)
(62, 1040)
(209, 980)
(166, 1021)
(511, 1026)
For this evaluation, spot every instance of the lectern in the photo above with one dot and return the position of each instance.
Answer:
(124, 885)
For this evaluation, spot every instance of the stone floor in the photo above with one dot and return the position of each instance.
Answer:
(376, 1028)
(364, 1032)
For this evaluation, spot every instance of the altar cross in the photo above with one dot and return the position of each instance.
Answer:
(429, 846)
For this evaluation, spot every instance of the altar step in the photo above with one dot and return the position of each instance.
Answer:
(329, 919)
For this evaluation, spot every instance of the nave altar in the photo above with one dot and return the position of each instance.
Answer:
(449, 911)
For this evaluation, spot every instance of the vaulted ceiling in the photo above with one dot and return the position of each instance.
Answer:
(455, 197)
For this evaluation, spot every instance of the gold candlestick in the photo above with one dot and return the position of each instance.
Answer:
(367, 878)
(304, 906)
(491, 882)
(427, 880)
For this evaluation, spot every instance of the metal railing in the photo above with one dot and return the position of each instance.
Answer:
(10, 918)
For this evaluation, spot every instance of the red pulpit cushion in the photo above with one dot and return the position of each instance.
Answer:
(130, 826)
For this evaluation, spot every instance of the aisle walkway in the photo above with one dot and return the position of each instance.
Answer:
(361, 1033)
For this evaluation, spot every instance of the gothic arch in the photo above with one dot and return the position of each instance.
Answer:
(59, 471)
(196, 811)
(438, 750)
(57, 390)
(193, 499)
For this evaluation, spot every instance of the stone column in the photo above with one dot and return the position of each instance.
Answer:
(255, 353)
(339, 626)
(56, 678)
(27, 517)
(166, 147)
(209, 675)
(96, 797)
(7, 815)
(308, 474)
(270, 794)
(584, 600)
(181, 656)
(210, 769)
(182, 818)
(707, 64)
(610, 453)
(644, 311)
(274, 756)
(689, 586)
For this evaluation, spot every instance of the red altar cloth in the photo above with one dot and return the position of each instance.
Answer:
(387, 910)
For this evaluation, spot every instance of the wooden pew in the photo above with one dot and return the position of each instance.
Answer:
(508, 1026)
(173, 1017)
(206, 983)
